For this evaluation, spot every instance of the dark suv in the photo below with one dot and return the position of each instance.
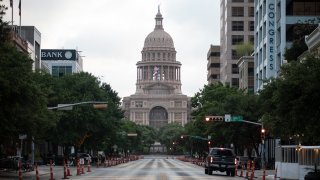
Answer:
(220, 159)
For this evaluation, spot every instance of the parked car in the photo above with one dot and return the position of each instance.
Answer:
(12, 162)
(220, 159)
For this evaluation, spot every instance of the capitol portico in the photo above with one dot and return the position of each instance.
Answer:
(158, 99)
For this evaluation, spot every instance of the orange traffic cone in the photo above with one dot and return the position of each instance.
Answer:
(51, 171)
(37, 173)
(89, 170)
(64, 170)
(264, 174)
(78, 168)
(20, 172)
(68, 169)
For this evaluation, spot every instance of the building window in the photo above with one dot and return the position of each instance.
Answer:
(216, 54)
(138, 103)
(237, 11)
(215, 65)
(235, 82)
(237, 39)
(251, 39)
(309, 7)
(250, 72)
(58, 71)
(234, 55)
(237, 25)
(214, 76)
(251, 26)
(235, 69)
(251, 11)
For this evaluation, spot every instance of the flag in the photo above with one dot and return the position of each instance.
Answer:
(19, 7)
(11, 3)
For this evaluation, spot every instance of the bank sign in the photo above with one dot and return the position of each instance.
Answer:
(58, 54)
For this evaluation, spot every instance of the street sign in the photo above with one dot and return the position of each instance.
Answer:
(227, 117)
(236, 118)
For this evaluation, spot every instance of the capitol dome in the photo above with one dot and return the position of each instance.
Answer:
(158, 38)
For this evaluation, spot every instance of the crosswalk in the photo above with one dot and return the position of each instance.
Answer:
(151, 169)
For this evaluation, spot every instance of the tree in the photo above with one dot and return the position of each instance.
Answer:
(244, 49)
(299, 31)
(169, 135)
(85, 127)
(23, 103)
(291, 101)
(219, 100)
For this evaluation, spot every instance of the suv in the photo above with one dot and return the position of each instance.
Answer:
(220, 159)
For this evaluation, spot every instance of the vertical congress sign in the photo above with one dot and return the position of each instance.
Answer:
(271, 40)
(58, 54)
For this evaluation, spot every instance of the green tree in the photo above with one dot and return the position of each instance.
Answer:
(291, 103)
(219, 100)
(23, 102)
(244, 49)
(169, 135)
(84, 127)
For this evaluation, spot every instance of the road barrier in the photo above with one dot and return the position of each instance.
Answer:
(64, 170)
(20, 172)
(89, 170)
(241, 172)
(264, 174)
(78, 168)
(248, 169)
(252, 171)
(37, 172)
(68, 169)
(51, 171)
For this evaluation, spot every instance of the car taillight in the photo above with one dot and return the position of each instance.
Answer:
(211, 159)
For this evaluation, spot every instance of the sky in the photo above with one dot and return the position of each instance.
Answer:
(110, 34)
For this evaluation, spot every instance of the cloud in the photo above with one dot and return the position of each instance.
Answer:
(111, 33)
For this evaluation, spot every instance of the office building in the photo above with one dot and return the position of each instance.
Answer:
(213, 65)
(275, 27)
(236, 27)
(62, 61)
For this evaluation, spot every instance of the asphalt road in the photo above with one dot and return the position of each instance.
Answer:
(148, 168)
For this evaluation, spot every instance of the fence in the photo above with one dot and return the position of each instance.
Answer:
(294, 162)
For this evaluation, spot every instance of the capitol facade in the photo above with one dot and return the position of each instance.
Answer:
(158, 99)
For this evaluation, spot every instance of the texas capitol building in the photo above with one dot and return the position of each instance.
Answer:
(158, 99)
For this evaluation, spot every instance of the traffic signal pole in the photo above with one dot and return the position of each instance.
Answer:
(80, 103)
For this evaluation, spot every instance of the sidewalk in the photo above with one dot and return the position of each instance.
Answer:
(42, 170)
(258, 174)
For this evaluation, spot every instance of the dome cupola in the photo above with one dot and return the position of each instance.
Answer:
(158, 38)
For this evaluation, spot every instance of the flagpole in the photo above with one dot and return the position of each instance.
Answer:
(11, 3)
(20, 16)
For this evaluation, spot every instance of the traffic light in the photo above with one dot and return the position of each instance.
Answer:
(214, 118)
(263, 133)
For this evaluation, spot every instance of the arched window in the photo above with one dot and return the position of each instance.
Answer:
(158, 117)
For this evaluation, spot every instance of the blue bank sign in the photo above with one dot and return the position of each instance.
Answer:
(58, 54)
(271, 46)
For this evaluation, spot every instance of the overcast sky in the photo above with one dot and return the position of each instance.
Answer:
(111, 34)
